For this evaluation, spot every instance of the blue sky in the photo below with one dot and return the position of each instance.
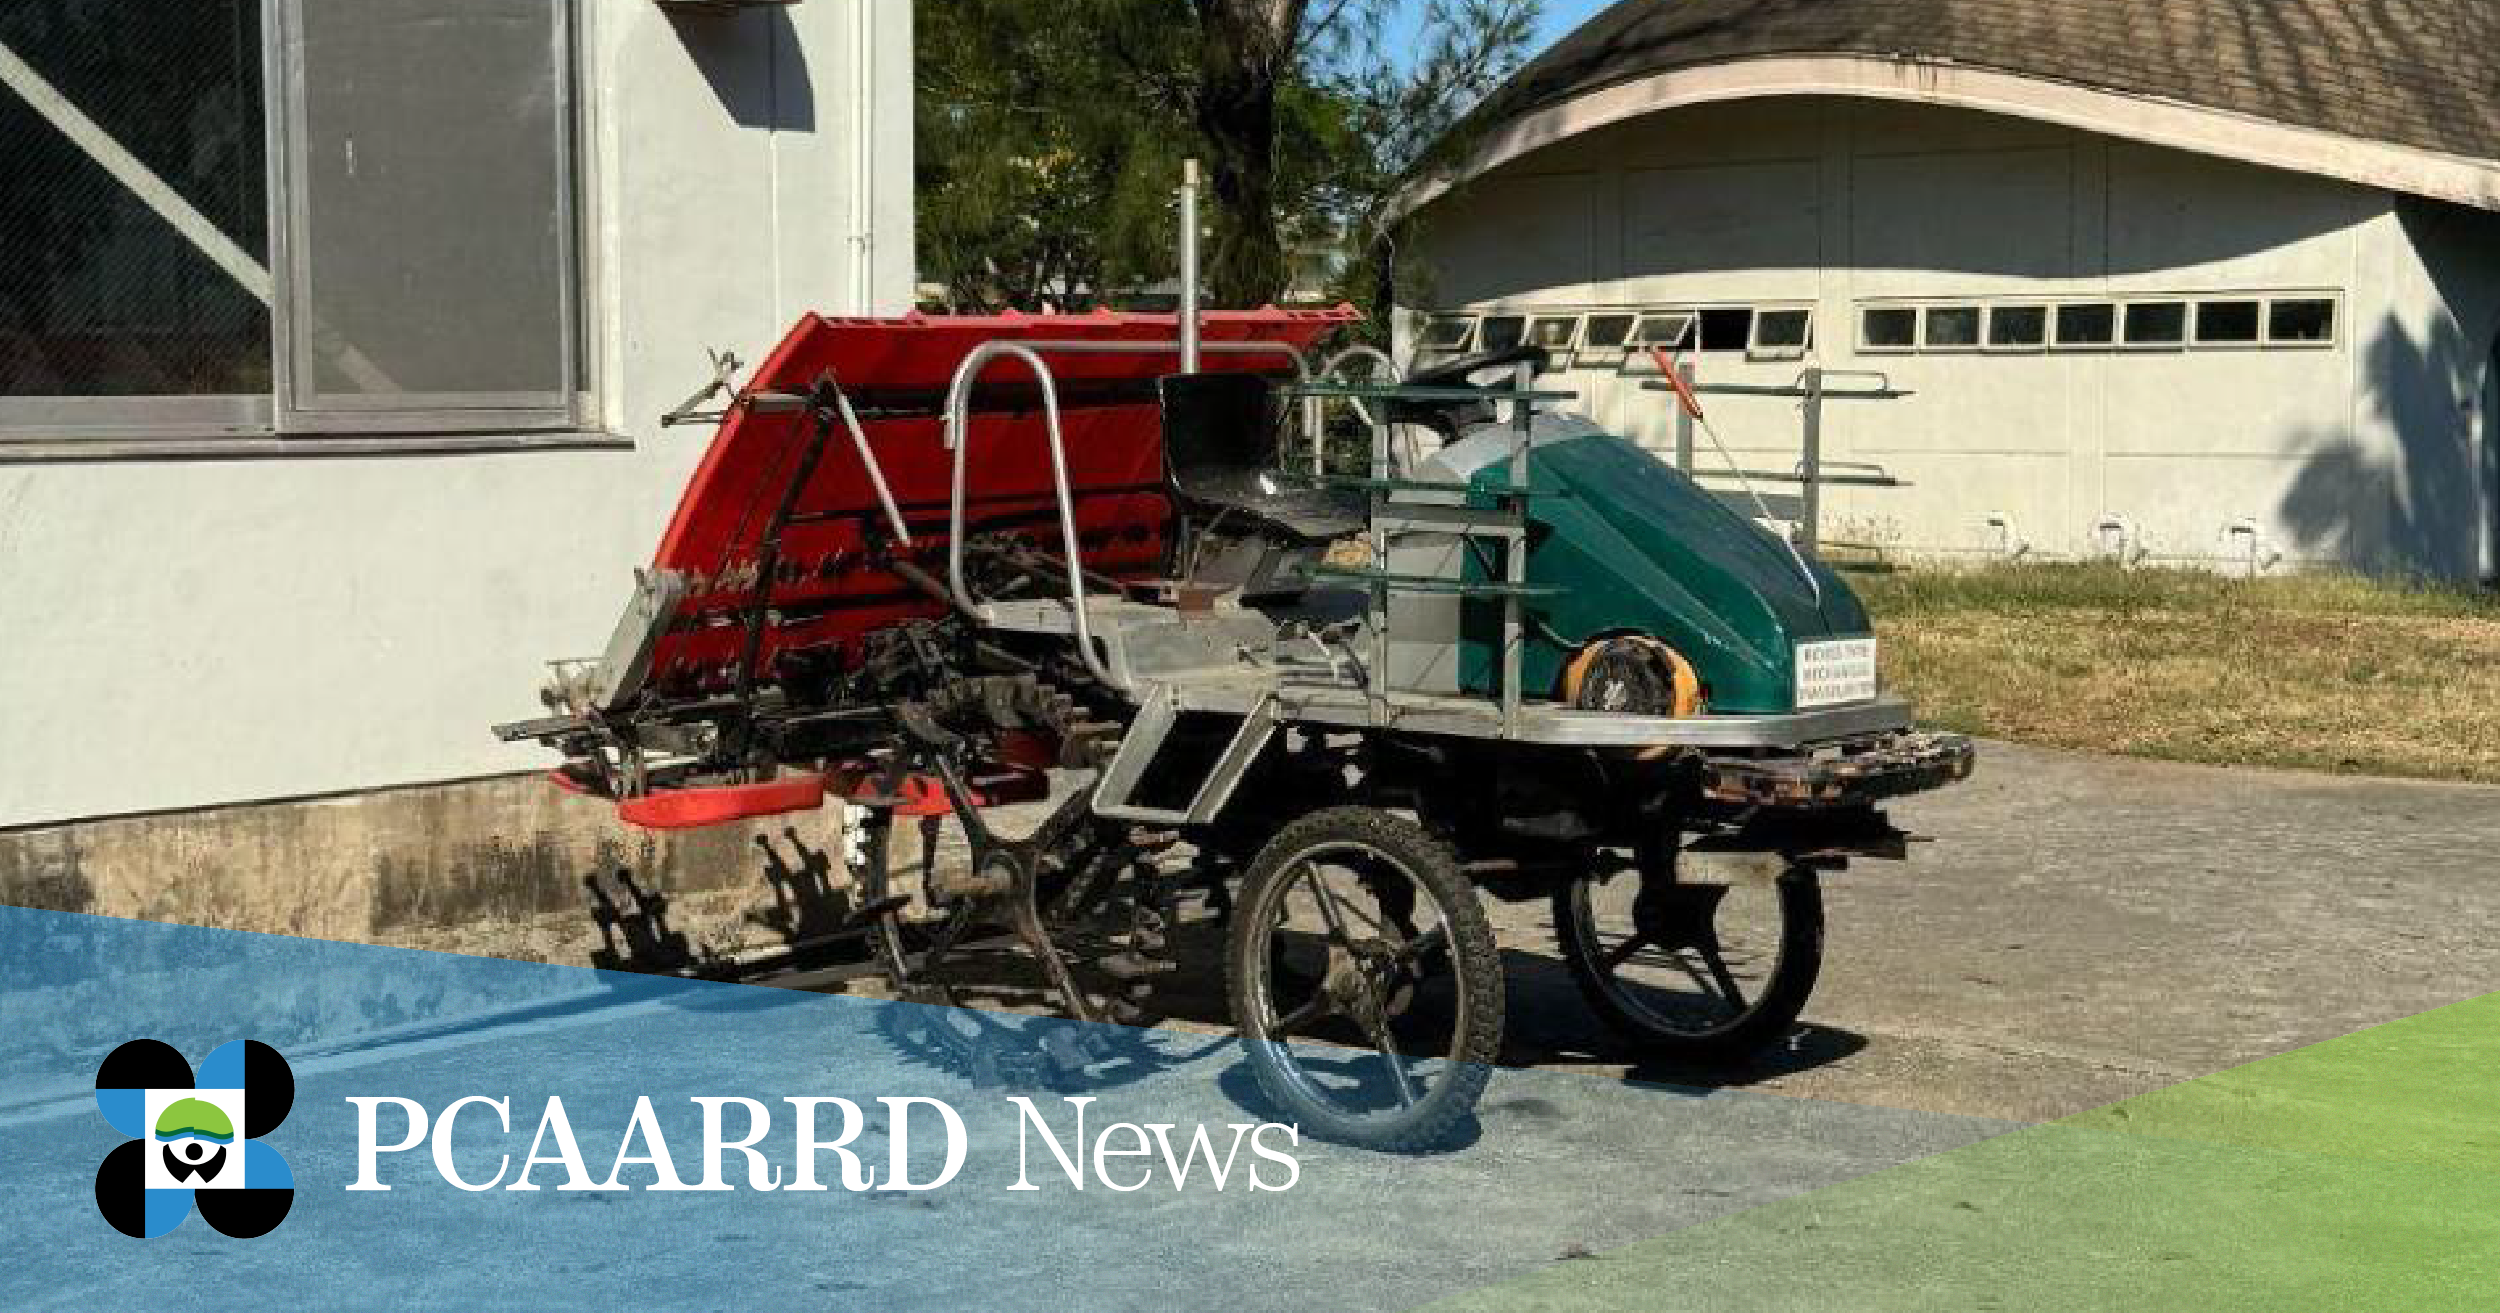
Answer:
(1560, 17)
(1563, 15)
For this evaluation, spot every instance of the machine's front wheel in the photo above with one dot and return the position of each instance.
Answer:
(1365, 980)
(1693, 970)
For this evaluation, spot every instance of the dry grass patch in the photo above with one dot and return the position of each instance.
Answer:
(2328, 672)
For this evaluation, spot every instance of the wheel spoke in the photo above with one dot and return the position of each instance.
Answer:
(1328, 908)
(1716, 958)
(1315, 1009)
(1414, 951)
(1398, 1078)
(1622, 953)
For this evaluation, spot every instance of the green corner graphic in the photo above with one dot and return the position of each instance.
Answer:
(2362, 1173)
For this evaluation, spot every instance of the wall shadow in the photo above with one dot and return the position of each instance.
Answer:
(729, 48)
(2428, 506)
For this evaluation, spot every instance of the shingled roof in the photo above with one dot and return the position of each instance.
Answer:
(2423, 75)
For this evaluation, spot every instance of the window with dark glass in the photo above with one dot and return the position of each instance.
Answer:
(1665, 332)
(2302, 321)
(1502, 332)
(1449, 333)
(1607, 332)
(2018, 327)
(1727, 329)
(2228, 323)
(1783, 332)
(1555, 332)
(2157, 323)
(375, 234)
(2091, 324)
(134, 242)
(1890, 328)
(1952, 327)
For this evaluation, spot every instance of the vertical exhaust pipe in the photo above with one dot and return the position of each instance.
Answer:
(1189, 266)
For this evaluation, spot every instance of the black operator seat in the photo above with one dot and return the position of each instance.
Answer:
(1220, 449)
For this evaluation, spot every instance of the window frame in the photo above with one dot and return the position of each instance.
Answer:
(302, 413)
(1599, 352)
(1685, 340)
(34, 421)
(1988, 328)
(1866, 340)
(1701, 328)
(1798, 350)
(273, 423)
(2128, 308)
(1424, 345)
(1484, 330)
(2118, 312)
(2256, 341)
(1978, 312)
(1571, 341)
(2334, 324)
(2058, 341)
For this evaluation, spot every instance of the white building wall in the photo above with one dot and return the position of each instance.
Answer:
(176, 634)
(1835, 203)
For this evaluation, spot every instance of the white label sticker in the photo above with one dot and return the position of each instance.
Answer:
(1835, 673)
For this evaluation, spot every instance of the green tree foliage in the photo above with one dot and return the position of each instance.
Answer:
(1051, 135)
(1040, 180)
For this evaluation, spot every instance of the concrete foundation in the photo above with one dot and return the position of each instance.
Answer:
(367, 865)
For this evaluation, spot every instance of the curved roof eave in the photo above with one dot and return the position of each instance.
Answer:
(2174, 124)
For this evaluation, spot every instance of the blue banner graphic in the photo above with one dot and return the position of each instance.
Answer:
(480, 1133)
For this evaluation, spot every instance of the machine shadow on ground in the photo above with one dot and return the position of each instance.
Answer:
(1548, 1026)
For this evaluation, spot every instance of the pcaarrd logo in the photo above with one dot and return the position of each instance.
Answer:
(195, 1141)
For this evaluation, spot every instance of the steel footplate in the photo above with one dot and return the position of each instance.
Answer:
(1850, 775)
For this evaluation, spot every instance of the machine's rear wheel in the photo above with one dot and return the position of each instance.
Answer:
(1693, 970)
(1365, 980)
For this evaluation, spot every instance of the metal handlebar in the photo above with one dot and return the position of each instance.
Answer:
(958, 436)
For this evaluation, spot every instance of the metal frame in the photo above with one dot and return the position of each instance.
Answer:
(1868, 347)
(1424, 345)
(1571, 341)
(2048, 328)
(1484, 328)
(1639, 342)
(1927, 343)
(1544, 724)
(1756, 349)
(2127, 307)
(2334, 301)
(1811, 390)
(2118, 307)
(2196, 324)
(300, 411)
(101, 422)
(1592, 352)
(273, 423)
(85, 424)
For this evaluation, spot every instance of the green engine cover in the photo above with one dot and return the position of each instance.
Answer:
(1635, 546)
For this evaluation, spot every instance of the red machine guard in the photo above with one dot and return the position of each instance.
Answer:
(695, 809)
(895, 372)
(831, 588)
